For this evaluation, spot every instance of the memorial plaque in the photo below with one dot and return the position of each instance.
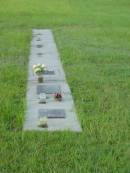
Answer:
(39, 46)
(52, 113)
(49, 72)
(39, 54)
(48, 89)
(38, 34)
(39, 39)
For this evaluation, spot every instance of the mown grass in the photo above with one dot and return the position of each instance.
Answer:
(93, 38)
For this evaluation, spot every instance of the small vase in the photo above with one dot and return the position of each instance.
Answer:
(40, 78)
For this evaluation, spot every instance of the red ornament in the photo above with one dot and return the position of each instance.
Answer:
(58, 96)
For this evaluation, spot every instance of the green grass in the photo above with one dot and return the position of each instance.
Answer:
(93, 38)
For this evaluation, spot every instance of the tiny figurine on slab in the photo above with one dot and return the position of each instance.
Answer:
(39, 70)
(42, 122)
(42, 98)
(58, 96)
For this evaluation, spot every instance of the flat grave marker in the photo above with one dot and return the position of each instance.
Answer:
(49, 72)
(52, 113)
(48, 89)
(39, 45)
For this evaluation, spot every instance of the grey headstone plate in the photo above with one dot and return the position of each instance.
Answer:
(39, 46)
(52, 113)
(39, 54)
(38, 34)
(48, 72)
(48, 89)
(38, 39)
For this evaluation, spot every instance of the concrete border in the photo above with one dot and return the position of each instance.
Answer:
(46, 53)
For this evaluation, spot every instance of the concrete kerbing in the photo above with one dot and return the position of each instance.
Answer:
(43, 44)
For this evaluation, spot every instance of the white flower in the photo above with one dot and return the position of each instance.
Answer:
(43, 120)
(34, 66)
(43, 65)
(38, 68)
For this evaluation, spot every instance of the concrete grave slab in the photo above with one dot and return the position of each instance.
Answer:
(41, 57)
(51, 103)
(69, 123)
(32, 91)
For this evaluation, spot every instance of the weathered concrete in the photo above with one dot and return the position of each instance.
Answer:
(61, 115)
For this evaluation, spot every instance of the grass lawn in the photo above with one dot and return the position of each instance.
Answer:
(93, 38)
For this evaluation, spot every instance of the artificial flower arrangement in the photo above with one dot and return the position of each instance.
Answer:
(58, 96)
(39, 70)
(42, 122)
(42, 98)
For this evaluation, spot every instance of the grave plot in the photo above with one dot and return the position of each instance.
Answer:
(50, 105)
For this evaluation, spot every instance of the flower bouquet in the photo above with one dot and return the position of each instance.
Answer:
(39, 70)
(58, 96)
(42, 122)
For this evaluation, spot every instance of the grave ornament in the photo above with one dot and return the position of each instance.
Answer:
(42, 122)
(39, 70)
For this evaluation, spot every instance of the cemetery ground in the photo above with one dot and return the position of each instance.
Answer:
(93, 38)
